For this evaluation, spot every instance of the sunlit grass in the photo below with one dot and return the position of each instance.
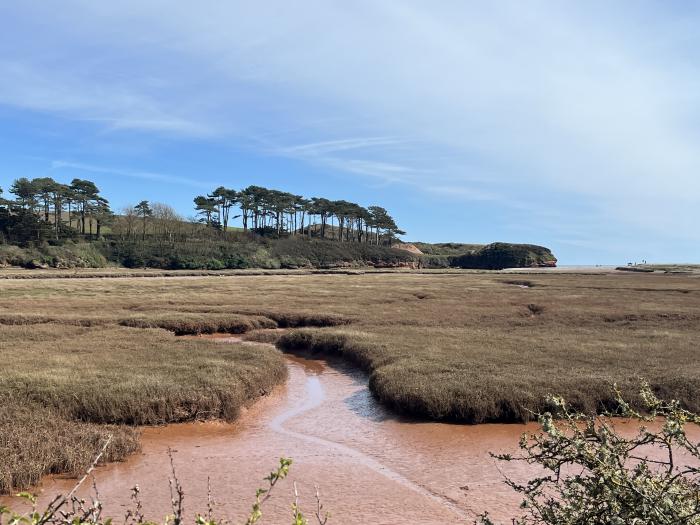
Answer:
(459, 346)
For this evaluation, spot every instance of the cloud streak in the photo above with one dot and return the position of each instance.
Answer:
(33, 87)
(136, 174)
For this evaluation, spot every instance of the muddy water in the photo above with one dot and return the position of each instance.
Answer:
(371, 466)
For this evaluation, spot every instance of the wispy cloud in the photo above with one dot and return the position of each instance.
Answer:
(380, 157)
(333, 146)
(118, 107)
(120, 172)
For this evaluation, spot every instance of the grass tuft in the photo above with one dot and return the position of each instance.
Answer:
(535, 309)
(36, 440)
(193, 324)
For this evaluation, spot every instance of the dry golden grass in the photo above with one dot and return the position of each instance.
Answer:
(64, 387)
(35, 440)
(462, 346)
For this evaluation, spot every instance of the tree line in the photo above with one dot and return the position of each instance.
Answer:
(282, 213)
(44, 208)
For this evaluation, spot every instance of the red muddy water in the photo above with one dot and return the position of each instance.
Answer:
(370, 466)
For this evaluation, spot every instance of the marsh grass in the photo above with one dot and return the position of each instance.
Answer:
(269, 337)
(351, 346)
(68, 386)
(535, 309)
(37, 440)
(195, 324)
(448, 346)
(136, 377)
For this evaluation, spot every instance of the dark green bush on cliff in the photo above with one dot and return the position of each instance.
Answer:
(192, 255)
(500, 255)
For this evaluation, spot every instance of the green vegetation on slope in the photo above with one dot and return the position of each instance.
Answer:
(289, 253)
(501, 255)
(446, 249)
(67, 255)
(495, 256)
(50, 224)
(243, 252)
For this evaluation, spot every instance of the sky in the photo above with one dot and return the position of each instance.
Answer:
(574, 125)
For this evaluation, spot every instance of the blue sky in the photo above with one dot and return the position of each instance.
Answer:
(575, 125)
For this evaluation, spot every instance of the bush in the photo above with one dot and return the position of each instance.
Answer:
(593, 474)
(13, 255)
(67, 255)
(71, 510)
(500, 255)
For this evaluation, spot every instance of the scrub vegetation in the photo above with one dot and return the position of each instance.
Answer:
(86, 354)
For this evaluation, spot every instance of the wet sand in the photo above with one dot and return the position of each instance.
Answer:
(370, 466)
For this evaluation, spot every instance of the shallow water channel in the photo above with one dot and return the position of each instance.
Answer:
(370, 466)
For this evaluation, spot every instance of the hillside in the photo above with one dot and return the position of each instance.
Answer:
(446, 248)
(501, 255)
(495, 256)
(237, 251)
(54, 225)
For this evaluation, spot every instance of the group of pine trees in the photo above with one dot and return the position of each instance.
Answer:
(44, 208)
(281, 213)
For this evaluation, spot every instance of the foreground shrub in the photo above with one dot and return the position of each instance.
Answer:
(593, 474)
(71, 510)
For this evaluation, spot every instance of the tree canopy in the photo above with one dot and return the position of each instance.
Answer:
(273, 212)
(43, 208)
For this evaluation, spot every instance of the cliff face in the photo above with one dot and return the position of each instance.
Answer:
(500, 255)
(408, 247)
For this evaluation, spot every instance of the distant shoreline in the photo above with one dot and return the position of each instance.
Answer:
(665, 268)
(18, 273)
